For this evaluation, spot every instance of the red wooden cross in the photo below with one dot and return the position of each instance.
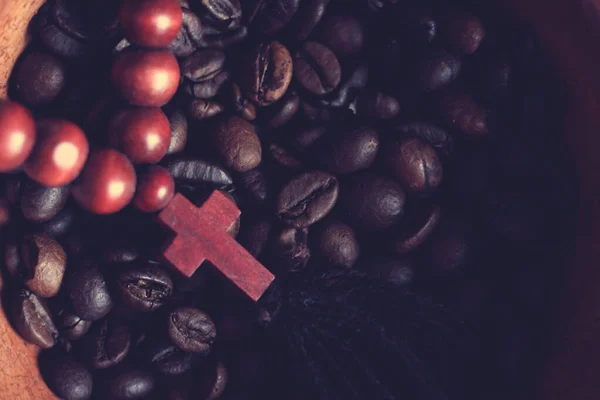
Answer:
(201, 234)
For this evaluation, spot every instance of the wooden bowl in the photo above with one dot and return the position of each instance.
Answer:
(570, 30)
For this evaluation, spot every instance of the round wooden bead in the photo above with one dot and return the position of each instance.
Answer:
(155, 189)
(151, 23)
(59, 154)
(107, 183)
(143, 134)
(17, 135)
(146, 78)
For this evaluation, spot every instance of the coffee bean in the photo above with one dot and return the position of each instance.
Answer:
(196, 171)
(306, 199)
(289, 249)
(305, 139)
(463, 31)
(45, 262)
(307, 18)
(347, 90)
(337, 243)
(396, 272)
(343, 34)
(270, 16)
(437, 70)
(88, 291)
(267, 73)
(255, 235)
(452, 246)
(41, 203)
(203, 65)
(233, 98)
(377, 105)
(462, 113)
(255, 184)
(237, 144)
(350, 149)
(40, 78)
(94, 24)
(200, 109)
(144, 286)
(317, 68)
(373, 202)
(106, 344)
(179, 131)
(12, 260)
(190, 34)
(166, 358)
(56, 40)
(128, 382)
(420, 221)
(221, 40)
(219, 383)
(318, 113)
(282, 112)
(415, 164)
(60, 224)
(32, 319)
(192, 330)
(67, 378)
(208, 88)
(71, 325)
(437, 137)
(283, 157)
(228, 11)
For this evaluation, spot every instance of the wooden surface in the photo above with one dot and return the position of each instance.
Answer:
(201, 234)
(571, 30)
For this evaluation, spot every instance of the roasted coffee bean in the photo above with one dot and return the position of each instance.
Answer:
(350, 149)
(196, 171)
(282, 112)
(58, 41)
(166, 358)
(96, 23)
(237, 144)
(343, 34)
(267, 73)
(32, 319)
(221, 40)
(203, 65)
(106, 344)
(179, 131)
(373, 202)
(337, 243)
(219, 383)
(71, 325)
(437, 137)
(306, 199)
(128, 382)
(190, 34)
(452, 246)
(307, 18)
(233, 98)
(41, 203)
(437, 70)
(40, 78)
(60, 224)
(319, 113)
(283, 157)
(270, 16)
(463, 31)
(119, 253)
(200, 109)
(45, 262)
(255, 235)
(317, 68)
(415, 164)
(66, 377)
(377, 105)
(289, 249)
(144, 286)
(305, 139)
(462, 113)
(88, 292)
(207, 88)
(227, 11)
(192, 330)
(396, 272)
(255, 184)
(420, 221)
(348, 89)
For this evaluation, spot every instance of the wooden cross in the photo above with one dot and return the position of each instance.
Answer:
(201, 234)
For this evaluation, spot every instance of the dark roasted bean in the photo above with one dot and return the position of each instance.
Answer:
(317, 68)
(421, 220)
(106, 344)
(270, 16)
(192, 330)
(32, 319)
(40, 203)
(144, 286)
(289, 249)
(307, 18)
(200, 109)
(343, 34)
(72, 326)
(432, 134)
(179, 130)
(196, 171)
(237, 143)
(437, 70)
(283, 111)
(256, 184)
(377, 105)
(350, 149)
(67, 378)
(337, 243)
(462, 113)
(345, 93)
(88, 292)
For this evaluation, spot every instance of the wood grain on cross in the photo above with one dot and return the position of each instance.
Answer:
(201, 234)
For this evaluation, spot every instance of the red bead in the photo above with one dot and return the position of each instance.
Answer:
(143, 134)
(107, 183)
(155, 189)
(146, 78)
(151, 23)
(59, 154)
(17, 135)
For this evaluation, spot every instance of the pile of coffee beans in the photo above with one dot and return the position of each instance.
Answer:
(418, 141)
